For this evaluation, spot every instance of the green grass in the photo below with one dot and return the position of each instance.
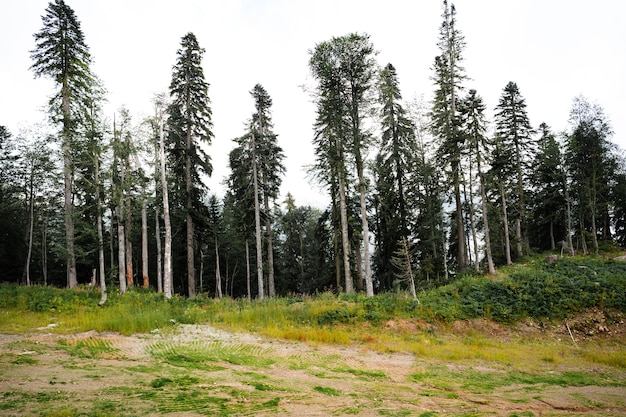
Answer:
(23, 359)
(198, 354)
(534, 289)
(88, 348)
(485, 382)
(331, 392)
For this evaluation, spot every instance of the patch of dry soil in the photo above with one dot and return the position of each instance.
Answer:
(306, 380)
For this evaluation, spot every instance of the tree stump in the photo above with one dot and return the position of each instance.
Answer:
(551, 259)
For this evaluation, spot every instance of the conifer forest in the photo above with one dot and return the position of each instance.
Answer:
(418, 193)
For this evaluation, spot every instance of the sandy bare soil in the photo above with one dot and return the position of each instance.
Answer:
(200, 370)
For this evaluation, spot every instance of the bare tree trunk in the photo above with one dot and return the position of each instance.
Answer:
(191, 268)
(128, 242)
(461, 249)
(446, 272)
(582, 236)
(103, 286)
(271, 288)
(483, 197)
(144, 244)
(201, 270)
(218, 275)
(121, 250)
(409, 269)
(112, 227)
(257, 222)
(336, 242)
(358, 260)
(159, 256)
(518, 237)
(369, 284)
(569, 217)
(31, 225)
(470, 203)
(44, 254)
(248, 271)
(522, 203)
(126, 202)
(72, 281)
(343, 211)
(507, 241)
(167, 259)
(157, 225)
(337, 259)
(474, 232)
(552, 242)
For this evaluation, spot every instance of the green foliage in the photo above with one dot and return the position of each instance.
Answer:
(39, 298)
(479, 382)
(537, 290)
(88, 348)
(196, 355)
(23, 359)
(331, 392)
(541, 291)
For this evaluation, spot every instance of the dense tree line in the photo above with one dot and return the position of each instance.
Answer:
(444, 190)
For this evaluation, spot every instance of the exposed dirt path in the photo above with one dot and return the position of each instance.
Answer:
(200, 370)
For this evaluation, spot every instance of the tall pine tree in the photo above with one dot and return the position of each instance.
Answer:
(591, 162)
(396, 155)
(331, 150)
(448, 78)
(474, 126)
(62, 55)
(547, 221)
(270, 168)
(189, 129)
(515, 132)
(345, 68)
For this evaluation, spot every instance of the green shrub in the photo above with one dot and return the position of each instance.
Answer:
(535, 289)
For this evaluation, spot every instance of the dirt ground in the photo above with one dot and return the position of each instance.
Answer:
(200, 370)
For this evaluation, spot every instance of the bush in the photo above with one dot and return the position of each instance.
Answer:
(537, 290)
(37, 298)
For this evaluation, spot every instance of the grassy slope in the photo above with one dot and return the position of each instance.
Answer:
(535, 290)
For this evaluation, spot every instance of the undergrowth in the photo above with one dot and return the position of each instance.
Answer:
(534, 290)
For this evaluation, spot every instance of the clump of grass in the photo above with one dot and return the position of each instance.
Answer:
(486, 382)
(616, 359)
(197, 354)
(180, 381)
(311, 334)
(24, 360)
(361, 373)
(331, 392)
(88, 348)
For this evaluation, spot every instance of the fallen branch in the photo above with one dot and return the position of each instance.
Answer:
(570, 334)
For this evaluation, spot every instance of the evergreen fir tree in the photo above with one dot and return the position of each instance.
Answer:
(448, 78)
(514, 131)
(393, 167)
(344, 68)
(270, 168)
(474, 126)
(189, 129)
(548, 208)
(62, 55)
(591, 162)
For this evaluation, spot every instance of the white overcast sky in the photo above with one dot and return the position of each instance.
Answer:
(553, 49)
